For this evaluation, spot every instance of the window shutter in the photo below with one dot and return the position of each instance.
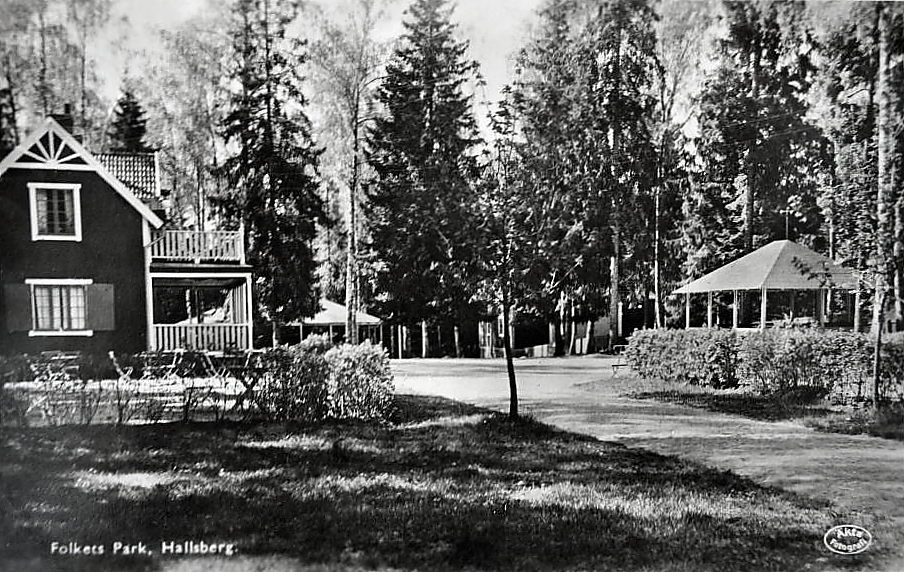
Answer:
(101, 315)
(17, 300)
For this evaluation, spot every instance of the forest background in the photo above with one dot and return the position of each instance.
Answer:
(431, 162)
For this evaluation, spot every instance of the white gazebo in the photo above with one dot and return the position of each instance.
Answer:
(332, 317)
(780, 265)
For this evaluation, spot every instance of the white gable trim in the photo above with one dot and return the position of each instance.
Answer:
(12, 161)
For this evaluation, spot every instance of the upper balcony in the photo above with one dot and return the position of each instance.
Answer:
(195, 246)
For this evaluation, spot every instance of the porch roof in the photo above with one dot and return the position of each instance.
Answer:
(780, 265)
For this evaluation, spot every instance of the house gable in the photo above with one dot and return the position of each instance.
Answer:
(53, 148)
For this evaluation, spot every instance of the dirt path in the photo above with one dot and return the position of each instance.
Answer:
(856, 473)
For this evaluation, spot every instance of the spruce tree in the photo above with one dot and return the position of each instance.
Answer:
(272, 175)
(422, 153)
(584, 102)
(129, 125)
(760, 158)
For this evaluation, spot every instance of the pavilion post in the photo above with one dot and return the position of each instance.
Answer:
(687, 310)
(734, 312)
(763, 309)
(793, 297)
(709, 309)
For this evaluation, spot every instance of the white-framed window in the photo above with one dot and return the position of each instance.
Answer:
(56, 211)
(59, 307)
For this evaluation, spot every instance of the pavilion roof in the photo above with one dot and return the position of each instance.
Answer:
(780, 265)
(334, 314)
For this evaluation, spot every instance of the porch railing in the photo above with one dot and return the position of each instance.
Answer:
(195, 245)
(212, 337)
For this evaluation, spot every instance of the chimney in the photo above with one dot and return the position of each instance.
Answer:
(65, 119)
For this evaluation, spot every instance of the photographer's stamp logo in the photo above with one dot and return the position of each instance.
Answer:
(847, 539)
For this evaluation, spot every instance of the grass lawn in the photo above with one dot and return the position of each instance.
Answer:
(443, 486)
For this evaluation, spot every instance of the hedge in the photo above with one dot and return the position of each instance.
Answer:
(771, 362)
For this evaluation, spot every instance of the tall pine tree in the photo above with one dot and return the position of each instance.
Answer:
(422, 153)
(272, 174)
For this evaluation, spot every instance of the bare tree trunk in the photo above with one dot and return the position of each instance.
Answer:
(614, 297)
(615, 225)
(457, 342)
(572, 329)
(43, 87)
(351, 282)
(657, 295)
(749, 212)
(425, 343)
(885, 198)
(509, 361)
(877, 361)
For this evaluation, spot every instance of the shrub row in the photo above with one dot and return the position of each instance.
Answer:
(310, 382)
(771, 362)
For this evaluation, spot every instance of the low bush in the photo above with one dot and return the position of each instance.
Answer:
(295, 385)
(308, 385)
(778, 363)
(360, 381)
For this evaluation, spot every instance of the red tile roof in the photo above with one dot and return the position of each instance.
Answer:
(137, 171)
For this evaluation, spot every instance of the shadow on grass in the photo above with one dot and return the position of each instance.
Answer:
(886, 422)
(474, 490)
(764, 408)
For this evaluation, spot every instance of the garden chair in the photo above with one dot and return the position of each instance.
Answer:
(619, 351)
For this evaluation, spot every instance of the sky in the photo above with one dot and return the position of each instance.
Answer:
(494, 28)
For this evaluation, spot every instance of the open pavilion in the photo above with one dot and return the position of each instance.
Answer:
(781, 265)
(331, 320)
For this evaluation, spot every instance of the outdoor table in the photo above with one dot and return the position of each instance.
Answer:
(56, 365)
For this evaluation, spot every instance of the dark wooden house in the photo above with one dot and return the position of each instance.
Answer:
(86, 259)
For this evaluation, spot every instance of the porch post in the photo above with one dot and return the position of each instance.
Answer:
(734, 312)
(687, 310)
(709, 309)
(149, 304)
(763, 309)
(148, 287)
(249, 315)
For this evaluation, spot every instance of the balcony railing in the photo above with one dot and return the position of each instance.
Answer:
(197, 246)
(211, 337)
